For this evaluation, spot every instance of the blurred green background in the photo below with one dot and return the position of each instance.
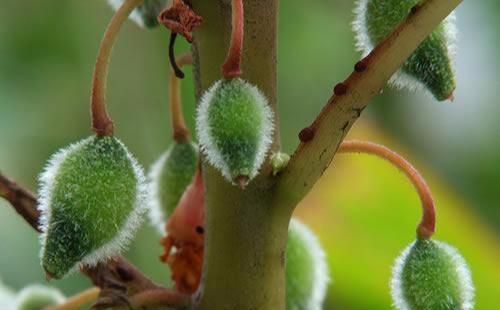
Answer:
(364, 211)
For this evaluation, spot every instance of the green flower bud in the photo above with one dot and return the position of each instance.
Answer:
(91, 200)
(279, 161)
(430, 66)
(36, 297)
(146, 13)
(169, 177)
(307, 274)
(235, 126)
(431, 275)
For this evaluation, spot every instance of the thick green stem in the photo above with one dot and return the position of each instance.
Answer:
(245, 235)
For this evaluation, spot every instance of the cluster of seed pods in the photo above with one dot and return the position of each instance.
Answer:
(93, 193)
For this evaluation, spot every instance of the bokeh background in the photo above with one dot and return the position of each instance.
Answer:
(363, 210)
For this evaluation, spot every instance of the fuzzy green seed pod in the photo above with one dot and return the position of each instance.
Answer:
(169, 177)
(92, 197)
(36, 297)
(431, 275)
(430, 66)
(146, 13)
(235, 125)
(307, 274)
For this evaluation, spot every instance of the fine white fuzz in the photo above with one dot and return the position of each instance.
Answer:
(206, 138)
(37, 295)
(400, 79)
(461, 268)
(47, 182)
(156, 214)
(321, 273)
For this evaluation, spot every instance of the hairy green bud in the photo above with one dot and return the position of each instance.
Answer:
(235, 126)
(169, 177)
(279, 161)
(91, 200)
(307, 274)
(37, 297)
(430, 66)
(431, 275)
(146, 13)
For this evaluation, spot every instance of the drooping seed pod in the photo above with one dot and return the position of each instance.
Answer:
(36, 297)
(91, 199)
(430, 66)
(235, 126)
(145, 15)
(431, 275)
(307, 275)
(169, 177)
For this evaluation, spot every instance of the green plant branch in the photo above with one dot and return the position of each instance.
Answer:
(321, 140)
(117, 278)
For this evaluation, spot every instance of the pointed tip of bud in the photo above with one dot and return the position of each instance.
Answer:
(451, 97)
(242, 181)
(48, 276)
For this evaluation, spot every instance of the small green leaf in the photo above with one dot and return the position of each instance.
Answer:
(279, 161)
(307, 273)
(235, 125)
(432, 275)
(91, 200)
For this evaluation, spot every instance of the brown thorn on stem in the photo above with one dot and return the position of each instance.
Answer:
(360, 66)
(232, 65)
(101, 122)
(180, 131)
(164, 297)
(181, 19)
(78, 300)
(340, 89)
(306, 134)
(427, 225)
(22, 200)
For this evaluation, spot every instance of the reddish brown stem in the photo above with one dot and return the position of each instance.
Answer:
(427, 225)
(180, 131)
(22, 200)
(232, 65)
(164, 297)
(101, 122)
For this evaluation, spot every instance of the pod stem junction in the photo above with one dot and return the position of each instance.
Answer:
(427, 225)
(232, 65)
